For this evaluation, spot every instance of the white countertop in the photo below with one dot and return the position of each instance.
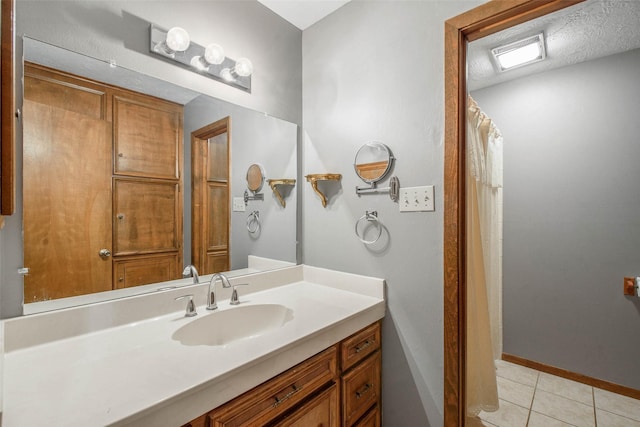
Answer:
(134, 373)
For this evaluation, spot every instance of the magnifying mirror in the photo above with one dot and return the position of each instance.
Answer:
(373, 161)
(255, 177)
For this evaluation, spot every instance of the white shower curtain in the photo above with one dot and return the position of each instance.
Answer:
(484, 259)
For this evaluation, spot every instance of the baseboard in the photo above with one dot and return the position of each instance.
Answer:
(584, 379)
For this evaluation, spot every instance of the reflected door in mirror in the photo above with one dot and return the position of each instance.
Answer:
(67, 203)
(102, 179)
(210, 199)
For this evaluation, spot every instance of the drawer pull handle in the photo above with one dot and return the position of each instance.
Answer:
(366, 344)
(286, 396)
(363, 390)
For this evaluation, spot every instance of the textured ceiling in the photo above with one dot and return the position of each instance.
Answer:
(586, 31)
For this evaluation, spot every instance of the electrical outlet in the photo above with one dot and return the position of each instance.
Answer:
(238, 204)
(416, 199)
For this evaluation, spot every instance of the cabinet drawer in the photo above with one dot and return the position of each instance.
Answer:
(136, 271)
(372, 419)
(361, 389)
(273, 398)
(321, 411)
(359, 346)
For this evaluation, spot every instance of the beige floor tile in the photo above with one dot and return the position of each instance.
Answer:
(477, 422)
(509, 415)
(566, 388)
(563, 409)
(617, 404)
(517, 373)
(539, 420)
(607, 419)
(515, 392)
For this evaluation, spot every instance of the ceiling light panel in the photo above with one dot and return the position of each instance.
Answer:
(519, 53)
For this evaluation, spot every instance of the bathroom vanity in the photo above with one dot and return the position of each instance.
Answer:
(304, 344)
(337, 387)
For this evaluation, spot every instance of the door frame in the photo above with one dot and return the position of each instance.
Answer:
(479, 22)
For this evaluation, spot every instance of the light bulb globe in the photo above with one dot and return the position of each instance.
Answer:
(178, 39)
(199, 63)
(243, 67)
(214, 54)
(226, 75)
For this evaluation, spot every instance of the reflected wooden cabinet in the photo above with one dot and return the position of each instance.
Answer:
(141, 270)
(147, 216)
(146, 140)
(337, 387)
(138, 140)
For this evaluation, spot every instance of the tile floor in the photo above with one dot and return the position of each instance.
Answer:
(529, 398)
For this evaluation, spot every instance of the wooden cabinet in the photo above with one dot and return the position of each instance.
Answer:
(360, 375)
(147, 216)
(140, 270)
(274, 398)
(147, 136)
(102, 185)
(337, 387)
(321, 411)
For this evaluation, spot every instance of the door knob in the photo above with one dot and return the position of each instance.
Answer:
(104, 253)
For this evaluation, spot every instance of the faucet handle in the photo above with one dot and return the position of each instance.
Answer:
(191, 307)
(234, 295)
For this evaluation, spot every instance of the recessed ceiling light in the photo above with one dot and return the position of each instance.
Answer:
(519, 53)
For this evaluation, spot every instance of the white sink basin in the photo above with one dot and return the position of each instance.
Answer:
(232, 324)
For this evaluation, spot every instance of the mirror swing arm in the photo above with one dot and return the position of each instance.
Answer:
(393, 189)
(256, 196)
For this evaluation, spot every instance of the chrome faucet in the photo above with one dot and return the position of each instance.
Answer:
(190, 270)
(211, 294)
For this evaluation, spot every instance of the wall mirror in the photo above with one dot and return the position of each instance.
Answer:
(601, 297)
(255, 177)
(277, 244)
(373, 161)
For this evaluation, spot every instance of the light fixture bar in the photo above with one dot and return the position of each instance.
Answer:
(229, 71)
(519, 53)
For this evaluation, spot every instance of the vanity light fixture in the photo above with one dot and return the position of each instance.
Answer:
(210, 61)
(519, 53)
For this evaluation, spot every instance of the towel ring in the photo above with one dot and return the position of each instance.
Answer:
(253, 219)
(369, 216)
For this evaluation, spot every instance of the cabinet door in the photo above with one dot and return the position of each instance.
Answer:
(147, 216)
(138, 271)
(147, 137)
(321, 411)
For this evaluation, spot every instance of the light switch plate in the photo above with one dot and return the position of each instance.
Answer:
(416, 199)
(238, 204)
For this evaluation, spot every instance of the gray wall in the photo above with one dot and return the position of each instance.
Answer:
(571, 223)
(374, 71)
(119, 30)
(256, 138)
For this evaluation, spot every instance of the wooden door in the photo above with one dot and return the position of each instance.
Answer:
(67, 203)
(211, 216)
